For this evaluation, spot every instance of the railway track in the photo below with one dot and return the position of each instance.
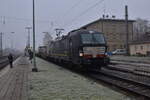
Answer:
(133, 61)
(135, 84)
(4, 61)
(129, 85)
(135, 68)
(138, 64)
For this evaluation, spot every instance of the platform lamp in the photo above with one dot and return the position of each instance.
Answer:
(12, 40)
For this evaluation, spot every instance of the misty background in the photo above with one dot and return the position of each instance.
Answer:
(15, 15)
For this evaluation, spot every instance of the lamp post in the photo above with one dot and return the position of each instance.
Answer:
(1, 44)
(12, 41)
(28, 28)
(34, 69)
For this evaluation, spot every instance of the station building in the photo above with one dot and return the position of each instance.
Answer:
(141, 46)
(114, 31)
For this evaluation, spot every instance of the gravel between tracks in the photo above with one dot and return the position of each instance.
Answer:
(56, 83)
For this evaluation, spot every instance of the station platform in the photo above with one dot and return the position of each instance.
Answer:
(14, 81)
(51, 82)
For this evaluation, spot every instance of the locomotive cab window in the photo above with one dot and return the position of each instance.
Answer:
(95, 38)
(86, 38)
(99, 38)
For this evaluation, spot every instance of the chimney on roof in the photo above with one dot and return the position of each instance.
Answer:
(103, 16)
(107, 16)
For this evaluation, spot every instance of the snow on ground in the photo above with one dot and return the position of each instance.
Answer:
(55, 83)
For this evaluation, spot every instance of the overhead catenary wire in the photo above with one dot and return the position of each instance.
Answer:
(69, 11)
(73, 7)
(84, 12)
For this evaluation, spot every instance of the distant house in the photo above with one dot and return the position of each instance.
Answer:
(141, 46)
(114, 31)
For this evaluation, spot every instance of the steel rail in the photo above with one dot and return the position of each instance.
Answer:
(130, 85)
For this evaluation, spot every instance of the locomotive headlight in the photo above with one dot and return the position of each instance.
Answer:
(80, 54)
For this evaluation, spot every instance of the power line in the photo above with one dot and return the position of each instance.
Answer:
(85, 11)
(73, 7)
(25, 19)
(70, 10)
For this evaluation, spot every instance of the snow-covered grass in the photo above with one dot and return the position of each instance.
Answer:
(56, 83)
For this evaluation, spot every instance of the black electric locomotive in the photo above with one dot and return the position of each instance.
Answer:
(80, 47)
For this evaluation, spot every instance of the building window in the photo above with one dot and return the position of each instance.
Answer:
(114, 47)
(135, 47)
(121, 46)
(124, 46)
(148, 46)
(141, 47)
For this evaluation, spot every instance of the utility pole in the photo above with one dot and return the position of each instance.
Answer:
(127, 30)
(3, 20)
(1, 36)
(1, 44)
(28, 28)
(103, 18)
(34, 59)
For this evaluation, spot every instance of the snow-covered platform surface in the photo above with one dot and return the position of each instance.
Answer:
(14, 81)
(56, 83)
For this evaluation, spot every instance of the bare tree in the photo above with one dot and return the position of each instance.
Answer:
(141, 26)
(47, 38)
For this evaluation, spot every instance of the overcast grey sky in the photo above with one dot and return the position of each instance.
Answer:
(67, 14)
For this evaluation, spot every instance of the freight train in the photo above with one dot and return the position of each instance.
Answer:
(84, 48)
